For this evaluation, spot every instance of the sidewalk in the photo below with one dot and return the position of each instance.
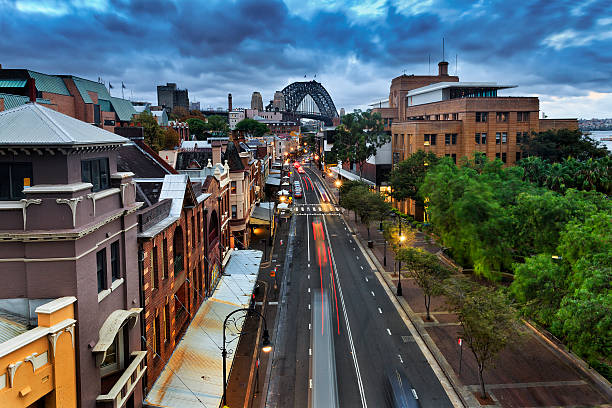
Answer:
(246, 378)
(529, 373)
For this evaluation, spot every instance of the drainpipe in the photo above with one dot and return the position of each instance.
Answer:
(206, 263)
(219, 234)
(142, 302)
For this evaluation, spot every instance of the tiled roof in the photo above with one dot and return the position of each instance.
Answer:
(12, 83)
(13, 101)
(85, 85)
(132, 158)
(124, 108)
(233, 157)
(34, 125)
(49, 83)
(183, 159)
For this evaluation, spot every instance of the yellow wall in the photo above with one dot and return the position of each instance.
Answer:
(55, 380)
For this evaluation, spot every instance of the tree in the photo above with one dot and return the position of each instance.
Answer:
(179, 113)
(252, 127)
(171, 138)
(347, 200)
(426, 270)
(153, 134)
(370, 206)
(197, 127)
(359, 136)
(218, 125)
(488, 323)
(557, 145)
(408, 176)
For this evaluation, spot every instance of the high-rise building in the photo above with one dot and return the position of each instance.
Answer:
(194, 106)
(256, 101)
(342, 112)
(169, 96)
(279, 101)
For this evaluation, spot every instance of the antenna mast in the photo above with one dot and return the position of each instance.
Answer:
(442, 48)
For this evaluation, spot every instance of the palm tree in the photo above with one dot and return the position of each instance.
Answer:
(556, 177)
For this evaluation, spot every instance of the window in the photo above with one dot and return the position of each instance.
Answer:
(14, 177)
(447, 139)
(525, 138)
(429, 138)
(157, 331)
(503, 157)
(390, 121)
(164, 263)
(482, 116)
(395, 139)
(504, 136)
(446, 116)
(497, 155)
(167, 321)
(233, 187)
(115, 261)
(155, 270)
(436, 117)
(199, 227)
(477, 138)
(522, 116)
(518, 156)
(453, 138)
(501, 116)
(518, 137)
(114, 360)
(454, 156)
(95, 171)
(483, 138)
(234, 211)
(498, 138)
(455, 116)
(193, 231)
(108, 122)
(101, 269)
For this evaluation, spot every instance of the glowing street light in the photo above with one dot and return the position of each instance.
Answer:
(338, 183)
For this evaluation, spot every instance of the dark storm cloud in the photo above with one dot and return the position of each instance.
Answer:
(214, 47)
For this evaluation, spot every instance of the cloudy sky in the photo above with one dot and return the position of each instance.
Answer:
(558, 50)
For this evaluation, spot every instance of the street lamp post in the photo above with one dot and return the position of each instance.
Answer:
(266, 346)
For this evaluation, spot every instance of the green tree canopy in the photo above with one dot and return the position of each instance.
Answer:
(557, 145)
(218, 125)
(252, 127)
(197, 127)
(406, 179)
(153, 134)
(359, 136)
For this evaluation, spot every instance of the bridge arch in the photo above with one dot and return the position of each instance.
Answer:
(297, 91)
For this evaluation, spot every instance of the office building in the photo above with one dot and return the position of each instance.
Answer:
(169, 96)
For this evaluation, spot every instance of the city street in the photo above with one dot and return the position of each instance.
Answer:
(369, 335)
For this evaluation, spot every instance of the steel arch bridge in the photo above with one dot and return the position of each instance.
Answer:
(296, 92)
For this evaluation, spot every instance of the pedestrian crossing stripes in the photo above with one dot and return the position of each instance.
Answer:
(316, 208)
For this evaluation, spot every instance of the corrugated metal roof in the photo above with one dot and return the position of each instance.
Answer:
(124, 108)
(10, 327)
(49, 83)
(34, 125)
(13, 101)
(105, 106)
(174, 188)
(12, 83)
(85, 86)
(197, 358)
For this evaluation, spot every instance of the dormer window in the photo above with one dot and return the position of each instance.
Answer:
(95, 171)
(14, 177)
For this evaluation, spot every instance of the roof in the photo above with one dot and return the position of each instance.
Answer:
(13, 101)
(124, 108)
(174, 188)
(132, 158)
(12, 83)
(34, 125)
(85, 85)
(233, 157)
(184, 159)
(196, 360)
(444, 85)
(49, 83)
(11, 326)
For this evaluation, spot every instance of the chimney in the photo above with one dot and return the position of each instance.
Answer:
(31, 87)
(216, 151)
(442, 68)
(229, 102)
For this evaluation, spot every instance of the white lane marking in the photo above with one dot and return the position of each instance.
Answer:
(379, 310)
(366, 278)
(400, 358)
(310, 381)
(309, 265)
(357, 258)
(308, 276)
(350, 240)
(308, 290)
(309, 306)
(364, 403)
(310, 352)
(370, 292)
(389, 331)
(361, 266)
(353, 248)
(309, 326)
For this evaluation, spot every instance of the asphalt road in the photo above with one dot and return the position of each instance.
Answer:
(369, 335)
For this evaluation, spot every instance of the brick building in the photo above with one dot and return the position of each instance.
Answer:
(77, 97)
(179, 243)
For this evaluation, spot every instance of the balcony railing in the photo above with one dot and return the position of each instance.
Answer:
(124, 386)
(178, 264)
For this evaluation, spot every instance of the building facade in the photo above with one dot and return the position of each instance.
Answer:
(68, 228)
(256, 101)
(169, 96)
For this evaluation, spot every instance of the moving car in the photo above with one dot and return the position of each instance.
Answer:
(398, 390)
(297, 193)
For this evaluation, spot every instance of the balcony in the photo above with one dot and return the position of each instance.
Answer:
(121, 391)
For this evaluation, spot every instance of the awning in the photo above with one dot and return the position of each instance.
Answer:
(261, 215)
(196, 360)
(273, 181)
(110, 328)
(351, 176)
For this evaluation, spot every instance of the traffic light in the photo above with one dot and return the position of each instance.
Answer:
(252, 303)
